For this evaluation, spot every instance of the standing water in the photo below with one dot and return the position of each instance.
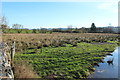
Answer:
(106, 70)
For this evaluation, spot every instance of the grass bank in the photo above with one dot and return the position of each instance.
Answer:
(69, 61)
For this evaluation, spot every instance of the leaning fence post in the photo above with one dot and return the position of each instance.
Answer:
(13, 50)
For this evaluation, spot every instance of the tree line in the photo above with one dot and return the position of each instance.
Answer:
(18, 28)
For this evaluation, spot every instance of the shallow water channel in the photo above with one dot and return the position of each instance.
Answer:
(106, 70)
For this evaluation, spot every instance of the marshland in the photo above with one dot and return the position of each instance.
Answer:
(61, 55)
(61, 40)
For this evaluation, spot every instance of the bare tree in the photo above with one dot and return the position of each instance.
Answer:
(3, 22)
(17, 26)
(70, 27)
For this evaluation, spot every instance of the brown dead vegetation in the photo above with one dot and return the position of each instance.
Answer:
(24, 41)
(22, 70)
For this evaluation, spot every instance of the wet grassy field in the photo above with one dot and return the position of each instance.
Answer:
(66, 62)
(62, 55)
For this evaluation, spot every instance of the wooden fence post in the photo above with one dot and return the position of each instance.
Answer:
(13, 50)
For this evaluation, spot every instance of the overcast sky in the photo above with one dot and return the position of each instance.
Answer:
(61, 14)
